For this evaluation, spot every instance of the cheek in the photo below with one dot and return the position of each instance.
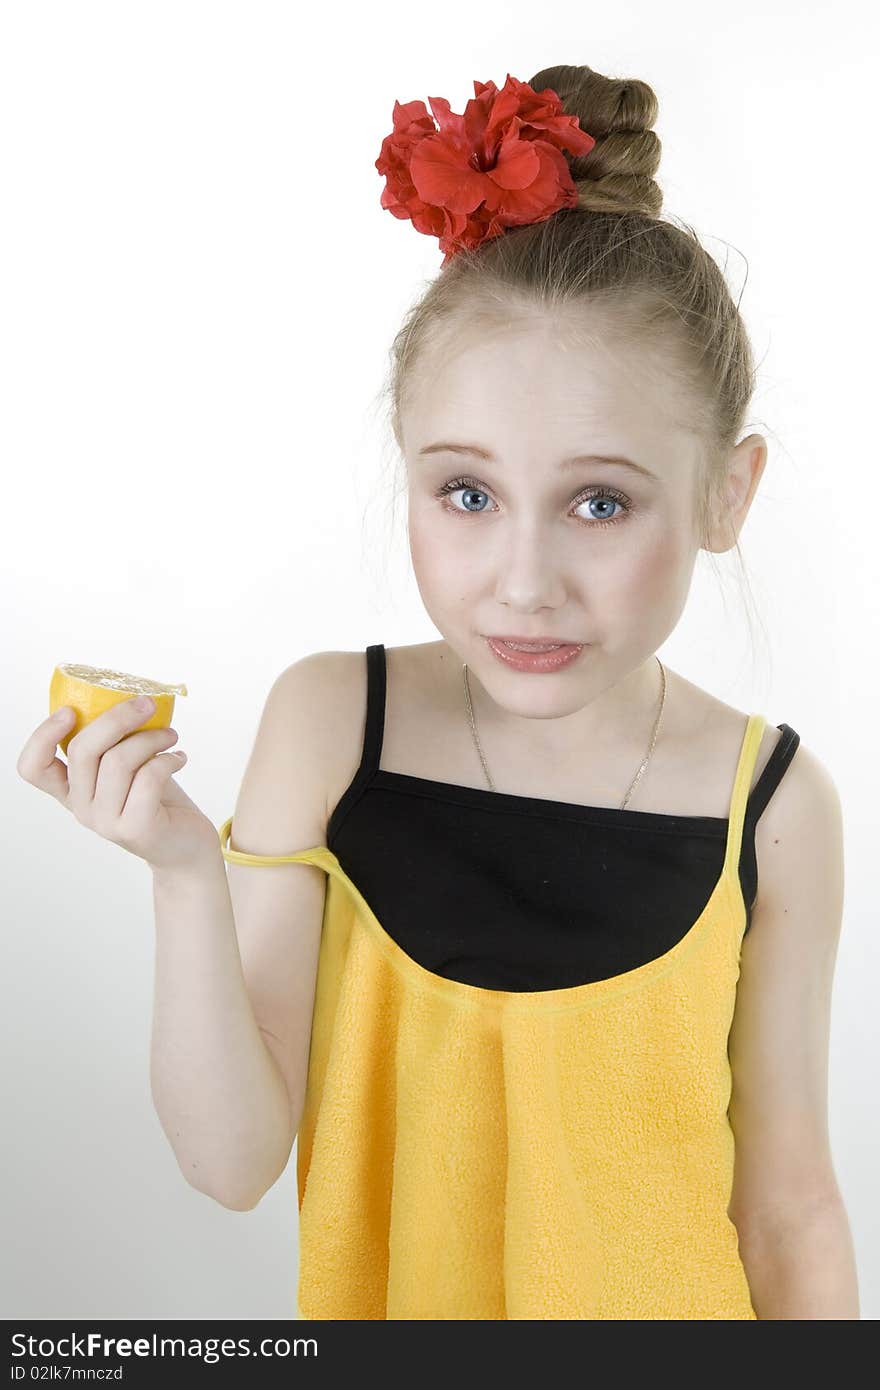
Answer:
(658, 565)
(443, 556)
(424, 545)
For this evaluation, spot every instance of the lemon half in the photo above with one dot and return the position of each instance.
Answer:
(89, 690)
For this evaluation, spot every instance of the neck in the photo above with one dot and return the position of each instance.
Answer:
(621, 717)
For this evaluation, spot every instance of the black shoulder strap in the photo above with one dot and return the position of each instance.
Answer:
(374, 726)
(779, 759)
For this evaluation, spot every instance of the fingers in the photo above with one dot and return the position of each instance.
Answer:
(120, 767)
(150, 786)
(118, 781)
(108, 750)
(37, 763)
(86, 749)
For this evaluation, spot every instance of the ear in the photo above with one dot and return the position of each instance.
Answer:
(746, 463)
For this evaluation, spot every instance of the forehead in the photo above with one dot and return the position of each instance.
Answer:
(548, 389)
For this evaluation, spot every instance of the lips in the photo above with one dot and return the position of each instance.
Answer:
(534, 655)
(534, 644)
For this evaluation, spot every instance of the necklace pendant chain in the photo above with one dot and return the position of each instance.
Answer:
(636, 779)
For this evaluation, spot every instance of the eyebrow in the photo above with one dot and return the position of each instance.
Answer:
(578, 460)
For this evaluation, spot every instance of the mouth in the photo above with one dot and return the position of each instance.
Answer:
(533, 644)
(534, 654)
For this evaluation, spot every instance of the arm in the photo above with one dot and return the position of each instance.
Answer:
(237, 954)
(794, 1236)
(218, 1092)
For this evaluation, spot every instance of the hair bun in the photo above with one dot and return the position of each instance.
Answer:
(618, 173)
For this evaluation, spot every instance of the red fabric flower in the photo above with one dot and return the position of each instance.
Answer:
(498, 165)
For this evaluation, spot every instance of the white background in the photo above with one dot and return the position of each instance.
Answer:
(199, 290)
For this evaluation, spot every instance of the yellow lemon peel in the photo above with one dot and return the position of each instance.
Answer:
(89, 690)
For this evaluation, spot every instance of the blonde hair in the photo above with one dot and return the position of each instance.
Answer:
(647, 279)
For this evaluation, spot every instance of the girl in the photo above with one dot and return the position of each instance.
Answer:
(563, 880)
(548, 1008)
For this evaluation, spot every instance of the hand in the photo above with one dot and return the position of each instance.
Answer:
(119, 783)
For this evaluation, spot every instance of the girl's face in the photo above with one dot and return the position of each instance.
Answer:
(525, 521)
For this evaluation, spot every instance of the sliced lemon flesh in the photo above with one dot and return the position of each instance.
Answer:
(118, 680)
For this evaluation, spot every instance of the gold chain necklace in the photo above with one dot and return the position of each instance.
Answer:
(635, 781)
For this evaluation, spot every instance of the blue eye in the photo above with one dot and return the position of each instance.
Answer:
(605, 498)
(470, 494)
(473, 491)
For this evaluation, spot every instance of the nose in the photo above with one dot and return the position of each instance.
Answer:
(529, 572)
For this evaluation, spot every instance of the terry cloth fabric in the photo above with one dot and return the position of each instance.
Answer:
(480, 1153)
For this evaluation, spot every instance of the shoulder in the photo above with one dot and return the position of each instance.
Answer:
(717, 730)
(799, 833)
(707, 733)
(338, 675)
(321, 691)
(799, 836)
(801, 825)
(324, 694)
(332, 687)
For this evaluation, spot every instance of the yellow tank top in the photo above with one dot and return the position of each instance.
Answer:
(470, 1153)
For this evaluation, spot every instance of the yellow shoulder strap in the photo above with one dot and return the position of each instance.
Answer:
(316, 855)
(741, 785)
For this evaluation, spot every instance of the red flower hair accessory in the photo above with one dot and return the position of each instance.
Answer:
(498, 165)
